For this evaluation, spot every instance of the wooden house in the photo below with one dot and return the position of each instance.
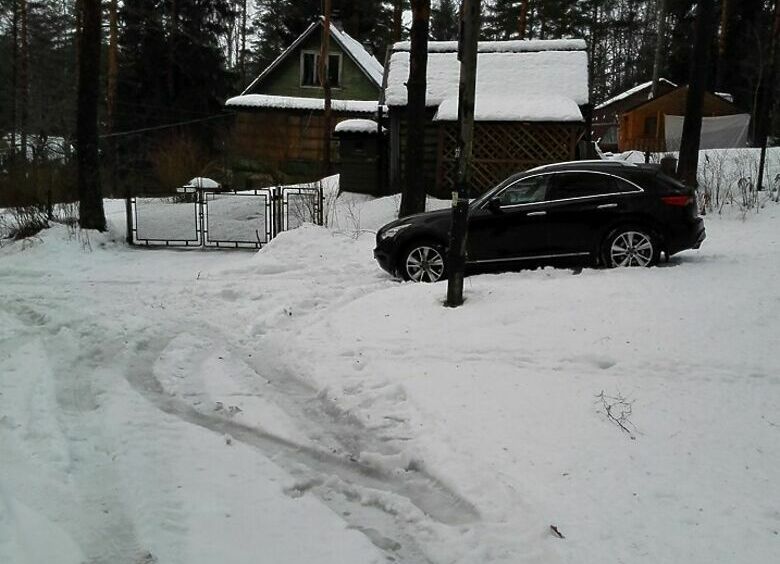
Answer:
(606, 115)
(531, 108)
(645, 127)
(279, 126)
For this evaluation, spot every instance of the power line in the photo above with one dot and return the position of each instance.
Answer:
(166, 126)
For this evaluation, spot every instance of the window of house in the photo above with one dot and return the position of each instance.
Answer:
(310, 61)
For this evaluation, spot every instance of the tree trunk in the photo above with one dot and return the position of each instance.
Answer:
(24, 79)
(725, 17)
(242, 55)
(413, 196)
(659, 46)
(697, 87)
(456, 259)
(14, 73)
(398, 11)
(767, 99)
(522, 19)
(324, 72)
(111, 89)
(91, 214)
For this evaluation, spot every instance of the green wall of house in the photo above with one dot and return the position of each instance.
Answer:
(285, 80)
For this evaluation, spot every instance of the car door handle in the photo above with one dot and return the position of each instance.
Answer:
(606, 206)
(530, 214)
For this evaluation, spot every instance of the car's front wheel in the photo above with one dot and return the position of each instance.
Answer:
(423, 262)
(630, 246)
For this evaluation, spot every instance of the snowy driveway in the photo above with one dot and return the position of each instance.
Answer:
(297, 405)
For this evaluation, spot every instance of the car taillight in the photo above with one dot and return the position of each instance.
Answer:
(677, 201)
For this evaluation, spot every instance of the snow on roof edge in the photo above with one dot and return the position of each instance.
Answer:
(358, 126)
(631, 91)
(525, 108)
(512, 46)
(298, 103)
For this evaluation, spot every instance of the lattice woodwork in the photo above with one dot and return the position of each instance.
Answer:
(502, 149)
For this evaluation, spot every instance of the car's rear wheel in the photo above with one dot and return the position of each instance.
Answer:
(630, 246)
(423, 261)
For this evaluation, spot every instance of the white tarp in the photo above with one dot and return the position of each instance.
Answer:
(723, 132)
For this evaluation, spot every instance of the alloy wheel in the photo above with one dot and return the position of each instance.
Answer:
(631, 248)
(424, 264)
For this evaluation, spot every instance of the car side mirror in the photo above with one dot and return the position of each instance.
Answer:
(494, 205)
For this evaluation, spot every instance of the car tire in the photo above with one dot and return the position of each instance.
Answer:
(423, 261)
(630, 245)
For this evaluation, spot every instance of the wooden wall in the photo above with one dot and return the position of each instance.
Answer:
(286, 144)
(642, 128)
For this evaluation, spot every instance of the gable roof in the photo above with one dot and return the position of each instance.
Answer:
(515, 76)
(631, 91)
(354, 50)
(707, 93)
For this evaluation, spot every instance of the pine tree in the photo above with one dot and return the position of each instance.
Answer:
(444, 21)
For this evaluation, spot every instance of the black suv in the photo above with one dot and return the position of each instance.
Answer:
(608, 213)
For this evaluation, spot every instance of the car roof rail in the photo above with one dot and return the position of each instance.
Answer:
(603, 162)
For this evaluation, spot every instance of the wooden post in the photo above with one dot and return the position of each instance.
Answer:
(324, 73)
(691, 134)
(467, 53)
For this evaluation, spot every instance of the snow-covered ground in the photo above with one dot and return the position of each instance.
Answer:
(298, 405)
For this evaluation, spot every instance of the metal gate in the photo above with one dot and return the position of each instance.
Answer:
(223, 218)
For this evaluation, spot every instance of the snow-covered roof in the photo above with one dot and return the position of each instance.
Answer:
(298, 103)
(516, 46)
(507, 71)
(632, 91)
(358, 53)
(363, 59)
(357, 126)
(726, 96)
(514, 108)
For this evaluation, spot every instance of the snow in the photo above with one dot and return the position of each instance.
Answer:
(631, 92)
(509, 74)
(361, 56)
(494, 107)
(357, 126)
(202, 182)
(297, 404)
(298, 103)
(513, 46)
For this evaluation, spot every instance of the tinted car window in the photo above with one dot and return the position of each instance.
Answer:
(582, 184)
(525, 191)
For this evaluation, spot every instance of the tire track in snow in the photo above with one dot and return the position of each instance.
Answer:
(370, 499)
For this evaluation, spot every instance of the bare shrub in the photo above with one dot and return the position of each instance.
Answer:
(618, 410)
(22, 222)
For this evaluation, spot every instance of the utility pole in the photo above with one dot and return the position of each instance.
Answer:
(767, 99)
(691, 134)
(467, 54)
(324, 72)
